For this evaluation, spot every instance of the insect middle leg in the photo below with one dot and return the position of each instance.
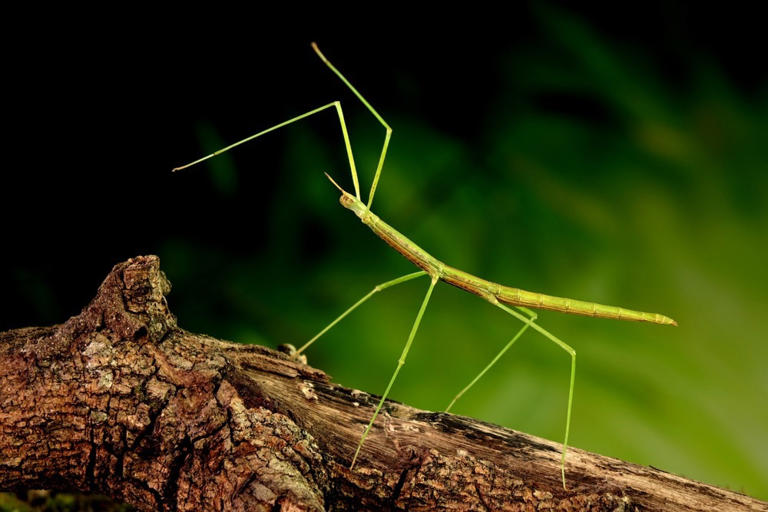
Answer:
(400, 363)
(376, 289)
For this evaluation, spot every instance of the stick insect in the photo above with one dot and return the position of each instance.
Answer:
(514, 301)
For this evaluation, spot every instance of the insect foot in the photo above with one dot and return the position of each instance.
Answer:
(290, 351)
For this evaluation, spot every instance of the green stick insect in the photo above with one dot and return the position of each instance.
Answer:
(499, 295)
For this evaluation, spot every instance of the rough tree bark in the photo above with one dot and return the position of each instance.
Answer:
(119, 400)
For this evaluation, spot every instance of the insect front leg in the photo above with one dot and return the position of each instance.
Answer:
(387, 128)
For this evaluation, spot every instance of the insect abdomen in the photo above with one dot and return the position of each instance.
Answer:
(518, 297)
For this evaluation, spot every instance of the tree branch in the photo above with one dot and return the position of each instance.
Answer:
(119, 400)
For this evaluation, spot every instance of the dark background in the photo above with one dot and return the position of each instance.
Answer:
(615, 154)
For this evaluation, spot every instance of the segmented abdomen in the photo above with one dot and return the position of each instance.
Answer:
(518, 297)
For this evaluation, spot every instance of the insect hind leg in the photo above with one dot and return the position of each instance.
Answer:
(571, 352)
(498, 356)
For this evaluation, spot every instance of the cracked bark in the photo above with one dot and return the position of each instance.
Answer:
(119, 400)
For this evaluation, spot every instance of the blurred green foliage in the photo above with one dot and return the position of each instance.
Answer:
(647, 194)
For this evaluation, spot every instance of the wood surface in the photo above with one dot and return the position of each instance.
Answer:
(119, 400)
